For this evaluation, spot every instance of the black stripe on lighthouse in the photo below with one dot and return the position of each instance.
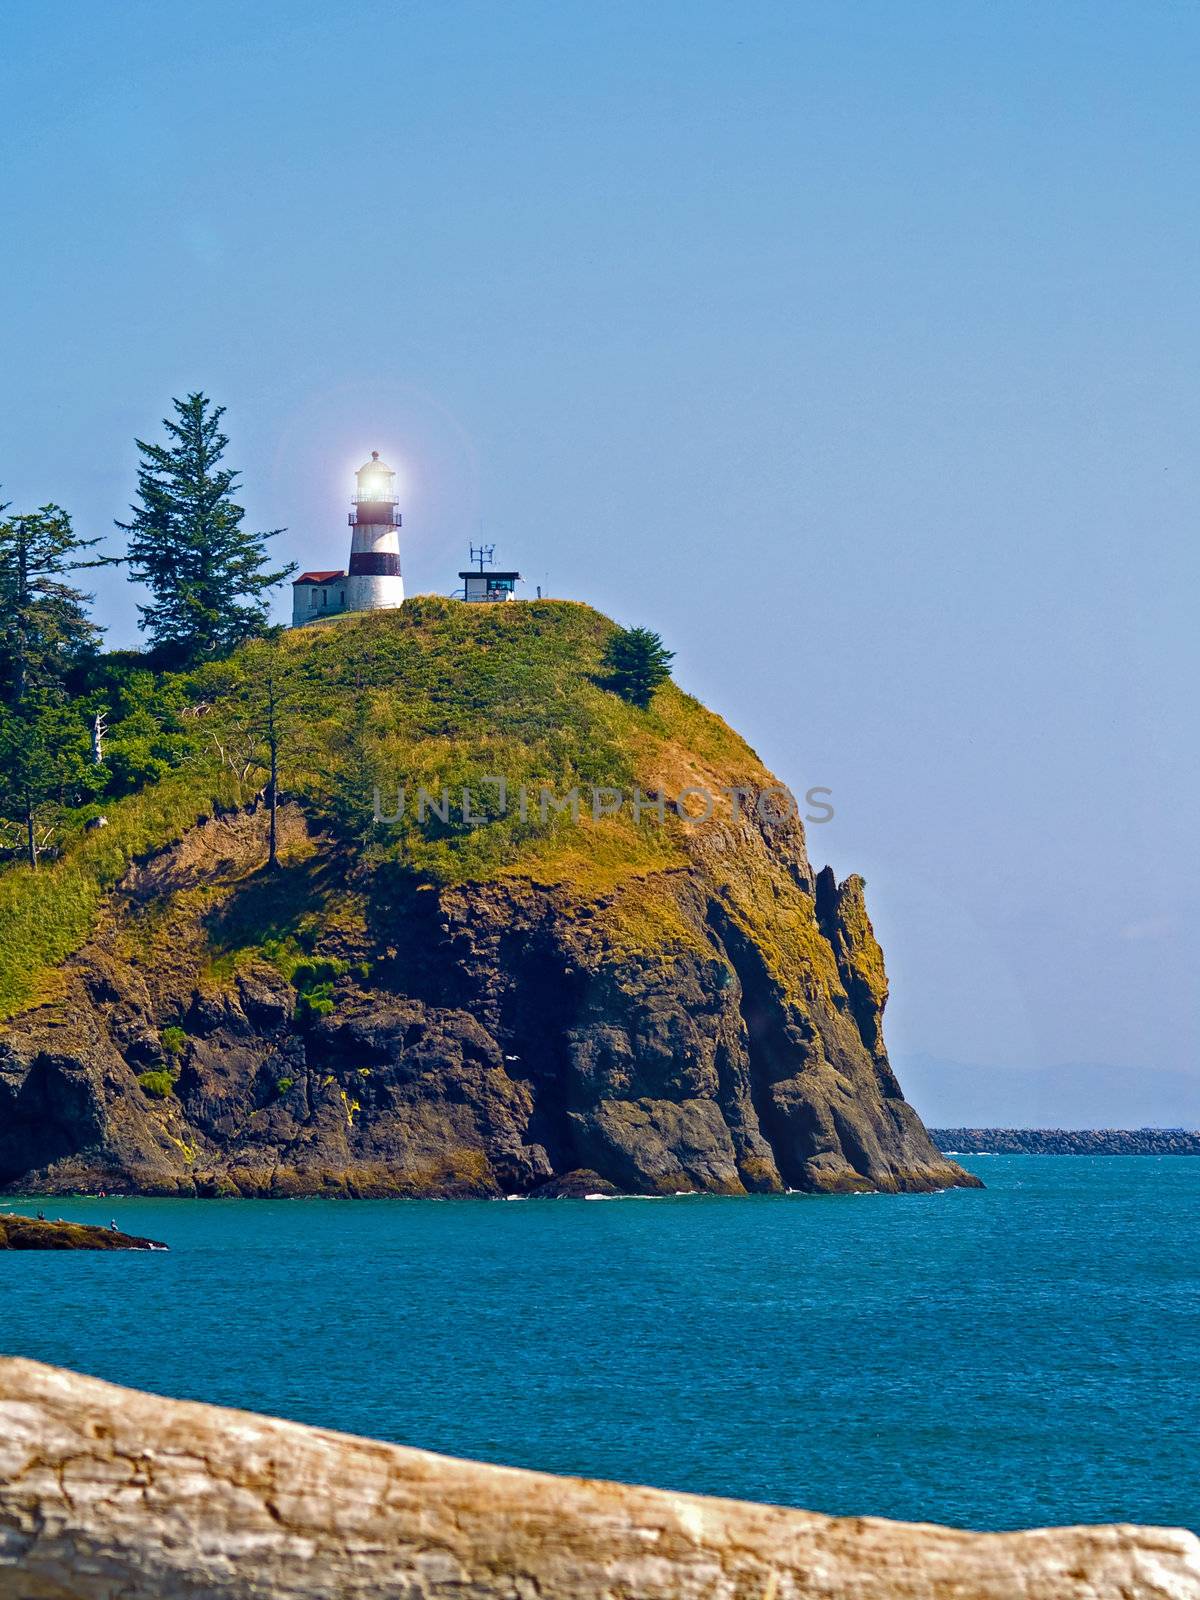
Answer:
(374, 564)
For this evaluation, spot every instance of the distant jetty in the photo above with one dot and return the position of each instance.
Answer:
(1066, 1141)
(37, 1233)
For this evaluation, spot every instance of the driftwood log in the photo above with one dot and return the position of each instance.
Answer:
(109, 1494)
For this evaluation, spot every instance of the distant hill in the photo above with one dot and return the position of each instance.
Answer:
(530, 1003)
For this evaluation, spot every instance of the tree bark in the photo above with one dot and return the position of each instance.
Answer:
(273, 847)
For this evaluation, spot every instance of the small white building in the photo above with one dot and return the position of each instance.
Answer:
(484, 582)
(489, 585)
(317, 594)
(374, 581)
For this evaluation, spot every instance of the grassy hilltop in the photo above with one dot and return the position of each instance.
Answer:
(438, 694)
(528, 1004)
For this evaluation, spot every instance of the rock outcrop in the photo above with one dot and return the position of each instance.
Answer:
(106, 1492)
(714, 1027)
(40, 1233)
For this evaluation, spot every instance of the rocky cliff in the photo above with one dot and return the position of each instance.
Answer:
(567, 1006)
(105, 1492)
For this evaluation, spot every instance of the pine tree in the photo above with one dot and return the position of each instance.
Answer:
(352, 789)
(351, 777)
(208, 576)
(44, 626)
(45, 771)
(638, 662)
(261, 728)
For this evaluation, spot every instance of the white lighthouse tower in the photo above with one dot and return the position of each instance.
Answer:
(373, 582)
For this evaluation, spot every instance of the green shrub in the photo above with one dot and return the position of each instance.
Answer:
(173, 1040)
(285, 1086)
(313, 981)
(157, 1085)
(638, 663)
(315, 1002)
(317, 973)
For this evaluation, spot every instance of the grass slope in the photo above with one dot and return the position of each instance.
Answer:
(438, 694)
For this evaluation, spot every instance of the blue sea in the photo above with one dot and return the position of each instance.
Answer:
(1025, 1354)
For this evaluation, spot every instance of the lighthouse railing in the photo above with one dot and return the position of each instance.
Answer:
(380, 512)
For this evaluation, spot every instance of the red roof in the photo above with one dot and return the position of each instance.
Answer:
(318, 577)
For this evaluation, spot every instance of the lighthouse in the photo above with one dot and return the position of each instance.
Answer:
(373, 582)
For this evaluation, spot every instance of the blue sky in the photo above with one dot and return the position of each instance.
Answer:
(853, 347)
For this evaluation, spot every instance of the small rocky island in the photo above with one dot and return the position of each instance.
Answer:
(39, 1233)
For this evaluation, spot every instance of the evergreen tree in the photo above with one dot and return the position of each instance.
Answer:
(261, 729)
(208, 576)
(45, 770)
(637, 662)
(44, 626)
(350, 779)
(352, 789)
(142, 723)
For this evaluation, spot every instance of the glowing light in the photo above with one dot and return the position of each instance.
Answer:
(375, 481)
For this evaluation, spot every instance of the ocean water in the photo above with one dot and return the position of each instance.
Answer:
(1022, 1355)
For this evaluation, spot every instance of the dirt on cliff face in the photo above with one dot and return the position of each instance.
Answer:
(335, 1029)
